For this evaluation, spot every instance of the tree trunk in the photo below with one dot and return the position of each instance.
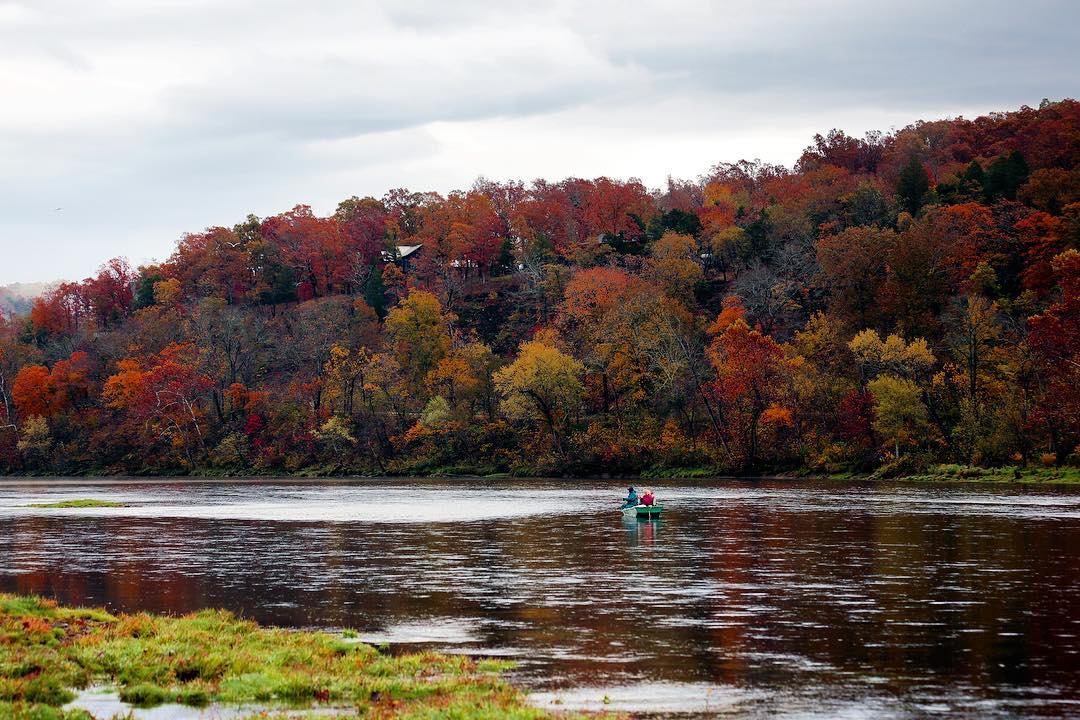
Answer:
(751, 460)
(973, 376)
(549, 417)
(219, 406)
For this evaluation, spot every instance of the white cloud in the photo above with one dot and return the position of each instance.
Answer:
(146, 118)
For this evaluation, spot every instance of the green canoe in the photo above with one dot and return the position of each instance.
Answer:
(646, 512)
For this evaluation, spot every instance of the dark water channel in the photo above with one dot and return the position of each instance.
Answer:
(749, 599)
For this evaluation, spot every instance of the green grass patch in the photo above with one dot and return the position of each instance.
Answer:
(32, 711)
(145, 695)
(462, 471)
(194, 694)
(215, 657)
(1008, 474)
(676, 473)
(84, 503)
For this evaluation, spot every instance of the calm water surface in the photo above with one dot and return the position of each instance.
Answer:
(749, 599)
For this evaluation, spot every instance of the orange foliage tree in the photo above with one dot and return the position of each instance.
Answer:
(163, 395)
(752, 387)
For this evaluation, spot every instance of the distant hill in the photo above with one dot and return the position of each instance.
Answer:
(18, 298)
(903, 304)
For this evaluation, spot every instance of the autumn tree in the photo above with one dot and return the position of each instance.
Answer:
(548, 221)
(163, 395)
(419, 330)
(478, 229)
(363, 227)
(212, 263)
(35, 393)
(891, 355)
(899, 413)
(6, 402)
(893, 369)
(36, 439)
(302, 341)
(464, 378)
(615, 209)
(39, 391)
(1051, 189)
(1055, 338)
(853, 263)
(230, 341)
(543, 383)
(751, 388)
(975, 332)
(111, 293)
(610, 316)
(675, 266)
(727, 249)
(313, 247)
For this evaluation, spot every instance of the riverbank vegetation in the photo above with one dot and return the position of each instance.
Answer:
(47, 651)
(85, 503)
(968, 473)
(889, 304)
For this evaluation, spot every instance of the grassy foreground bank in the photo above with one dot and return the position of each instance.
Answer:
(46, 651)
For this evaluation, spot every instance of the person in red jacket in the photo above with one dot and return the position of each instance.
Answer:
(647, 498)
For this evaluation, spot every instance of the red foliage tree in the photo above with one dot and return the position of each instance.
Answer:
(314, 247)
(163, 395)
(363, 227)
(34, 393)
(611, 205)
(213, 263)
(549, 218)
(751, 388)
(1055, 336)
(111, 292)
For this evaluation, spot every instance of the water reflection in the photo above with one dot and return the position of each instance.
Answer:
(641, 532)
(755, 598)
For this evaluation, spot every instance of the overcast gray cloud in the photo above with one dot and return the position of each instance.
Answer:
(146, 118)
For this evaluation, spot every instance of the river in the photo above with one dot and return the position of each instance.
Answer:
(748, 599)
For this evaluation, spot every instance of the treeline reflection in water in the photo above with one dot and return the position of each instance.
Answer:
(818, 594)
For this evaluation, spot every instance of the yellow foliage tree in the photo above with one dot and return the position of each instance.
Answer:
(900, 413)
(544, 383)
(420, 332)
(675, 266)
(892, 355)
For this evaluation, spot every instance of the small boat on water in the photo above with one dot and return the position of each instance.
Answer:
(643, 512)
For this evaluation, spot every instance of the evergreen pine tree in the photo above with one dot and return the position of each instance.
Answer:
(1005, 176)
(914, 182)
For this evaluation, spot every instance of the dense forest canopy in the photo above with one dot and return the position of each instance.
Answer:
(892, 300)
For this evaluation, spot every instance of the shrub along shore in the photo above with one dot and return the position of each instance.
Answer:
(920, 472)
(47, 652)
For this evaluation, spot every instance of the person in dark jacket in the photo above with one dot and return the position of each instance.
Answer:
(631, 498)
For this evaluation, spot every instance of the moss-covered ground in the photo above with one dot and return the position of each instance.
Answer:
(47, 651)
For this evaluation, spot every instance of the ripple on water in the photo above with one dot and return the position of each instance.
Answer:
(752, 599)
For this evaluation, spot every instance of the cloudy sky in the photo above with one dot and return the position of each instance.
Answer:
(143, 119)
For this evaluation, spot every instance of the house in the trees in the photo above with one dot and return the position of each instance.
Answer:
(404, 256)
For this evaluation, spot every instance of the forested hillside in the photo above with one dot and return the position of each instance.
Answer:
(894, 300)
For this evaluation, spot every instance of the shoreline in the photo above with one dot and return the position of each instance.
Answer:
(957, 474)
